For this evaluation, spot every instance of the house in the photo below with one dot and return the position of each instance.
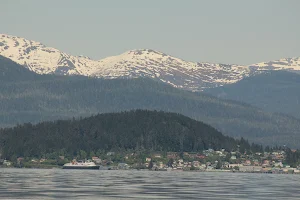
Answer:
(296, 171)
(233, 157)
(192, 155)
(7, 163)
(234, 165)
(20, 159)
(266, 163)
(200, 156)
(278, 164)
(250, 168)
(208, 152)
(97, 160)
(172, 155)
(247, 163)
(157, 155)
(161, 165)
(225, 165)
(203, 166)
(148, 159)
(110, 153)
(256, 163)
(196, 163)
(220, 153)
(155, 165)
(123, 166)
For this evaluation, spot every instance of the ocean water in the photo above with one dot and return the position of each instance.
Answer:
(106, 184)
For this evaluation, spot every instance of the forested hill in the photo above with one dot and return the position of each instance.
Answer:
(35, 98)
(134, 130)
(11, 71)
(274, 91)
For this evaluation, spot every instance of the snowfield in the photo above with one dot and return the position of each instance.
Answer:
(133, 64)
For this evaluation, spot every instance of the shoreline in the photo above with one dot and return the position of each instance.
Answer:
(147, 170)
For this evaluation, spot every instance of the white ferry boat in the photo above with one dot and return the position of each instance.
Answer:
(81, 165)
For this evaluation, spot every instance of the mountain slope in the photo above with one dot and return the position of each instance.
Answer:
(10, 71)
(137, 63)
(274, 91)
(61, 97)
(135, 130)
(133, 64)
(291, 64)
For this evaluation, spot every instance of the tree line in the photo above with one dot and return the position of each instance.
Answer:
(133, 130)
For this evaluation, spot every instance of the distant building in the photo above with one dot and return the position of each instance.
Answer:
(7, 163)
(157, 155)
(278, 164)
(20, 159)
(201, 156)
(233, 157)
(250, 168)
(266, 163)
(172, 155)
(234, 165)
(247, 163)
(110, 153)
(97, 160)
(123, 166)
(196, 163)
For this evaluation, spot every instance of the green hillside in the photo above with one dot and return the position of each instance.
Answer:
(134, 130)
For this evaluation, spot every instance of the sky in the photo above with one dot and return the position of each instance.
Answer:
(231, 31)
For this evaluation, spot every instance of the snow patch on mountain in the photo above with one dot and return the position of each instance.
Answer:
(291, 64)
(133, 64)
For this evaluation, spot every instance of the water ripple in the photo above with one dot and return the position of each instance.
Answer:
(77, 184)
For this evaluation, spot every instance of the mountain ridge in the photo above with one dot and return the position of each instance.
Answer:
(195, 76)
(273, 91)
(49, 97)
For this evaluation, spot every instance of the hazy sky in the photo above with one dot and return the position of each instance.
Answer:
(231, 31)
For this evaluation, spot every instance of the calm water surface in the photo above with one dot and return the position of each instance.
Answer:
(77, 184)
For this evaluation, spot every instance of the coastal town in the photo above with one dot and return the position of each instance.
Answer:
(274, 161)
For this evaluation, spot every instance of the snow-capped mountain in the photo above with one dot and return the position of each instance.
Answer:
(292, 64)
(41, 59)
(136, 63)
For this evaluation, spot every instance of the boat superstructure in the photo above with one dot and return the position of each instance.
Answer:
(80, 164)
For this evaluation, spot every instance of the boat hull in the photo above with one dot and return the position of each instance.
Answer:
(81, 167)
